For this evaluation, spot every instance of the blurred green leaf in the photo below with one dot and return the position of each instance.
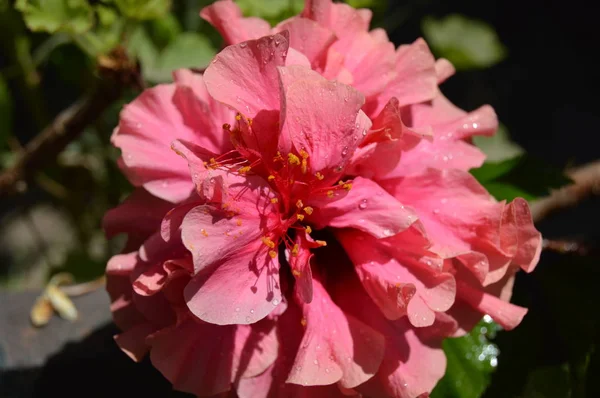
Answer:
(106, 15)
(143, 9)
(498, 147)
(71, 16)
(466, 42)
(186, 51)
(524, 176)
(165, 30)
(271, 10)
(6, 108)
(471, 360)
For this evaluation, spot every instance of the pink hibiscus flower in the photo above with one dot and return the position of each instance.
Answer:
(289, 235)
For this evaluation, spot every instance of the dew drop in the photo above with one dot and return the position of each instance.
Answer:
(243, 45)
(252, 311)
(316, 362)
(275, 302)
(247, 319)
(237, 309)
(345, 151)
(326, 370)
(364, 133)
(363, 204)
(475, 125)
(387, 232)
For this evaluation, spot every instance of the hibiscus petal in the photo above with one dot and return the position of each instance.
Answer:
(244, 76)
(529, 239)
(315, 48)
(335, 347)
(410, 366)
(366, 207)
(370, 61)
(415, 79)
(183, 357)
(343, 19)
(320, 118)
(299, 260)
(140, 214)
(133, 340)
(250, 282)
(227, 18)
(507, 315)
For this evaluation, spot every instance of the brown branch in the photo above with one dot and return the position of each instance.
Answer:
(117, 73)
(586, 184)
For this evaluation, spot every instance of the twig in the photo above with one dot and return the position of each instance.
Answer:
(586, 184)
(67, 126)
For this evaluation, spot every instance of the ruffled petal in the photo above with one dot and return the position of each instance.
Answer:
(366, 207)
(227, 18)
(320, 118)
(335, 346)
(308, 37)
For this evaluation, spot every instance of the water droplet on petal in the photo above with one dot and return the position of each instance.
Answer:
(237, 309)
(275, 302)
(243, 45)
(252, 311)
(363, 204)
(316, 362)
(345, 151)
(247, 319)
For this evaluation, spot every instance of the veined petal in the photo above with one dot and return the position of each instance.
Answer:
(227, 18)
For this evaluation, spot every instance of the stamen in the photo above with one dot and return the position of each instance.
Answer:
(244, 169)
(304, 166)
(319, 176)
(278, 157)
(238, 117)
(347, 186)
(272, 253)
(330, 194)
(321, 242)
(296, 273)
(299, 204)
(296, 250)
(308, 210)
(293, 159)
(203, 232)
(274, 200)
(239, 223)
(303, 321)
(308, 229)
(268, 242)
(300, 217)
(271, 177)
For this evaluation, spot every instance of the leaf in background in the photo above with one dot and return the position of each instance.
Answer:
(467, 43)
(165, 30)
(71, 16)
(471, 360)
(6, 109)
(498, 147)
(143, 9)
(188, 50)
(271, 10)
(141, 47)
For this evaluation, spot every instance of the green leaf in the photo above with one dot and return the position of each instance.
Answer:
(271, 10)
(186, 51)
(6, 109)
(498, 147)
(71, 16)
(471, 360)
(165, 30)
(467, 43)
(143, 9)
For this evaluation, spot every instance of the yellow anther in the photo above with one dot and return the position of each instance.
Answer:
(278, 157)
(304, 166)
(296, 273)
(296, 250)
(268, 242)
(341, 182)
(303, 321)
(293, 159)
(274, 200)
(244, 169)
(308, 229)
(330, 194)
(250, 121)
(321, 242)
(225, 205)
(299, 204)
(272, 253)
(300, 217)
(308, 210)
(347, 186)
(227, 126)
(203, 232)
(238, 117)
(271, 177)
(304, 154)
(239, 223)
(319, 176)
